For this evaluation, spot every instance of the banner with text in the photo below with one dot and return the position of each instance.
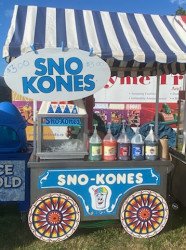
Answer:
(133, 99)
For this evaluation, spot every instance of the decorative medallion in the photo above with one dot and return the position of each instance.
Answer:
(54, 217)
(144, 214)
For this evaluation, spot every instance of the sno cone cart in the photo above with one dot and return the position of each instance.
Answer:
(65, 55)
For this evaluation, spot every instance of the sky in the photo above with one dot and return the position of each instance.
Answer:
(161, 7)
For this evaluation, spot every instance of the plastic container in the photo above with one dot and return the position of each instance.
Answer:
(180, 140)
(109, 146)
(12, 129)
(124, 145)
(137, 146)
(95, 146)
(151, 145)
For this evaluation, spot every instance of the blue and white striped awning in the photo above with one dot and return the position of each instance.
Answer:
(132, 44)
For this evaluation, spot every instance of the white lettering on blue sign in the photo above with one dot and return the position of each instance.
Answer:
(6, 169)
(59, 121)
(90, 185)
(7, 178)
(111, 179)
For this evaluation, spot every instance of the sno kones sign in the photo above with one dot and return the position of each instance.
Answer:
(53, 74)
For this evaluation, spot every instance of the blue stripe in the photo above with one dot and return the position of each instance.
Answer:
(40, 29)
(102, 38)
(171, 57)
(81, 31)
(15, 44)
(127, 51)
(149, 54)
(173, 33)
(61, 28)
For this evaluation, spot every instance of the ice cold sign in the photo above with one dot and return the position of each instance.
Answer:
(53, 74)
(7, 178)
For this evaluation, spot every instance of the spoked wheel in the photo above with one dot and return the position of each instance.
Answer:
(54, 217)
(144, 214)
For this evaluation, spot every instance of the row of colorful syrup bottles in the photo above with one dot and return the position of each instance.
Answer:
(110, 149)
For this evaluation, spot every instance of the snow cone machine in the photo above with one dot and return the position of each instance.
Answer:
(62, 130)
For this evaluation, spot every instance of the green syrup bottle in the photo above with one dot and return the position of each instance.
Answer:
(95, 146)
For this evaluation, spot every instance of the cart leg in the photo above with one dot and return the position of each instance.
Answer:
(54, 217)
(144, 214)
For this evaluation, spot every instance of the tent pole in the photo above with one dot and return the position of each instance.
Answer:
(184, 122)
(157, 102)
(34, 128)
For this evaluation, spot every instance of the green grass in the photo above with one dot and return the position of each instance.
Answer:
(15, 234)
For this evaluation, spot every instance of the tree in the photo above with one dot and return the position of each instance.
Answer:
(181, 12)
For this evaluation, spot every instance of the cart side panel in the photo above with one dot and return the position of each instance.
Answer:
(178, 180)
(101, 189)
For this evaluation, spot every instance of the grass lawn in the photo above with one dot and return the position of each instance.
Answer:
(15, 234)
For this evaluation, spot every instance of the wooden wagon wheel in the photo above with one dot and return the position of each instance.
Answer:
(144, 214)
(54, 217)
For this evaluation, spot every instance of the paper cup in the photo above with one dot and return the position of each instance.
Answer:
(164, 149)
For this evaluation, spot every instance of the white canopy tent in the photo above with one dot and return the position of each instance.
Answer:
(131, 44)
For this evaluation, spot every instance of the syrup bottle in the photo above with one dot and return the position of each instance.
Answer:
(137, 145)
(109, 146)
(95, 146)
(124, 145)
(151, 145)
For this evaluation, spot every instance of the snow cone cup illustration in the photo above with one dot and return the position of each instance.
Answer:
(100, 197)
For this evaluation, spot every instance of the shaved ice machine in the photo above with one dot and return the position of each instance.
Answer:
(62, 130)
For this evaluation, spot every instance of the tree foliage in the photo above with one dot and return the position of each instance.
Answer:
(181, 12)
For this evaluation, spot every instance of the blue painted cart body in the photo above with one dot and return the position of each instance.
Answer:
(99, 188)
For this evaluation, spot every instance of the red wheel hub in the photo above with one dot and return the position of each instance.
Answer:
(144, 213)
(54, 217)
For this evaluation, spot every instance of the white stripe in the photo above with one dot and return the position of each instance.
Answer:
(111, 36)
(50, 32)
(177, 26)
(72, 40)
(139, 55)
(10, 33)
(28, 37)
(181, 22)
(91, 32)
(168, 38)
(159, 54)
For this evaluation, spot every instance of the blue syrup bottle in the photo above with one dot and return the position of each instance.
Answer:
(137, 145)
